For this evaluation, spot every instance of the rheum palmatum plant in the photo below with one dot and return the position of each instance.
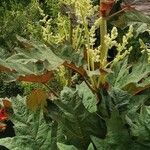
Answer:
(102, 105)
(78, 27)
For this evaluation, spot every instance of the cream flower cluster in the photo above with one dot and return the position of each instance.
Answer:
(122, 48)
(78, 38)
(46, 29)
(110, 39)
(83, 8)
(81, 35)
(92, 31)
(94, 54)
(148, 51)
(61, 75)
(62, 29)
(144, 48)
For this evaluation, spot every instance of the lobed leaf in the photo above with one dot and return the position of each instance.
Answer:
(88, 98)
(140, 21)
(33, 63)
(140, 126)
(117, 137)
(67, 53)
(74, 119)
(132, 78)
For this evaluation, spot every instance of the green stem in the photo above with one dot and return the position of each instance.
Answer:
(88, 46)
(104, 49)
(71, 28)
(51, 90)
(85, 24)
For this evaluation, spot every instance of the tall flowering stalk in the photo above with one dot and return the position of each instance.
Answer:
(77, 25)
(105, 7)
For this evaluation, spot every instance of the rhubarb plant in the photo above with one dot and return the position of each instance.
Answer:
(101, 104)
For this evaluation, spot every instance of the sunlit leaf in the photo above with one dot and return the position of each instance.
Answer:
(36, 99)
(89, 99)
(31, 64)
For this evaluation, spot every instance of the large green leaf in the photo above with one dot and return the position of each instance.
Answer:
(31, 130)
(136, 102)
(140, 126)
(75, 121)
(140, 21)
(118, 137)
(132, 78)
(66, 52)
(88, 98)
(128, 103)
(120, 98)
(137, 16)
(34, 58)
(105, 105)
